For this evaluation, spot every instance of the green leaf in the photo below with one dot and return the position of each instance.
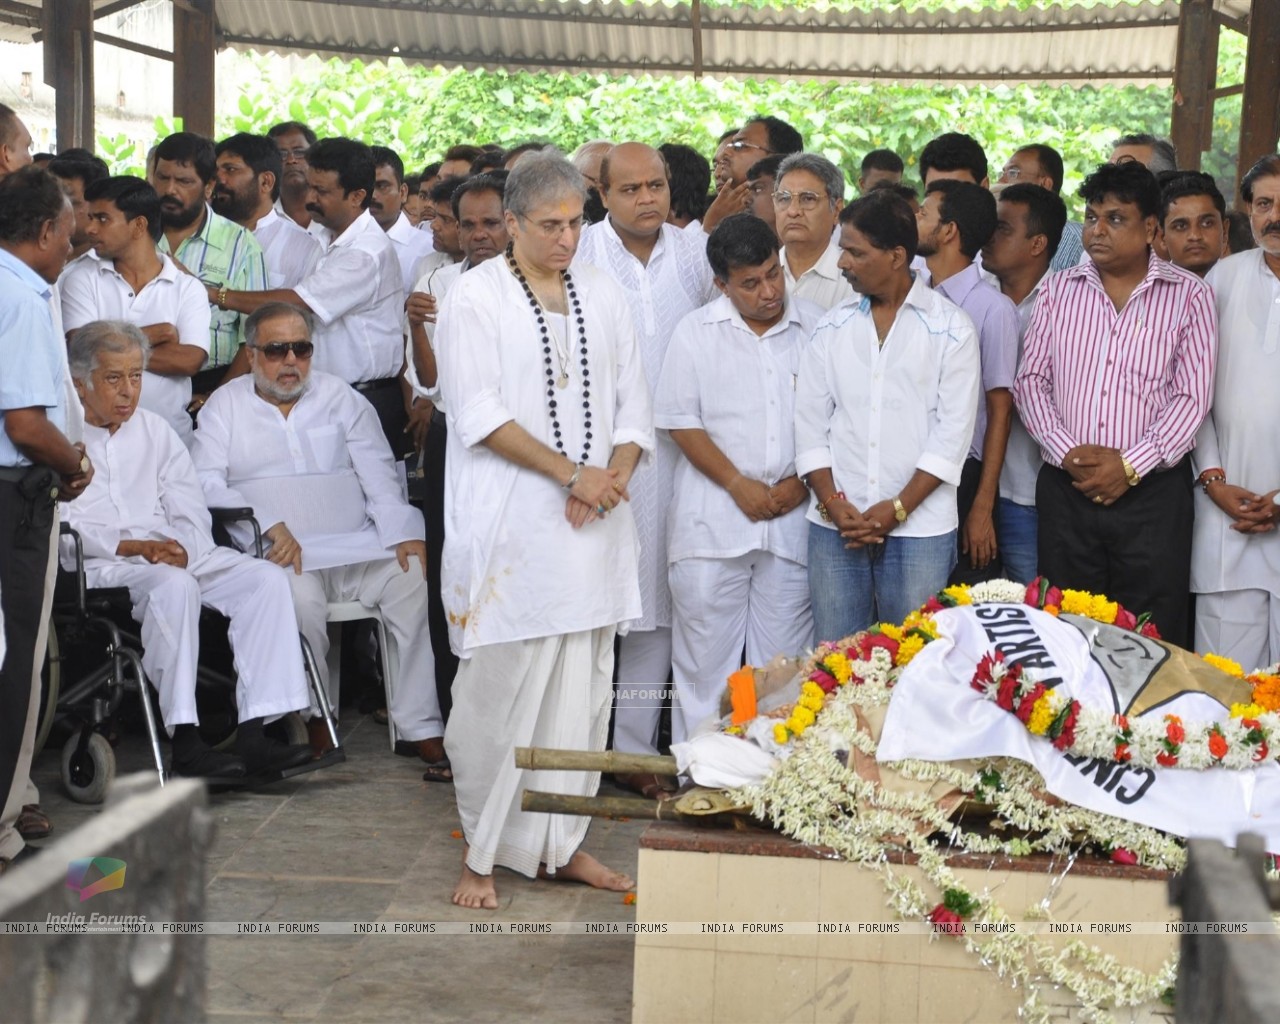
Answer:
(246, 106)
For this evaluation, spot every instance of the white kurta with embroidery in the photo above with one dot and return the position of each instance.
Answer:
(513, 566)
(145, 488)
(1241, 434)
(676, 281)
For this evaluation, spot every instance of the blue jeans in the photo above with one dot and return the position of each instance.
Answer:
(1017, 527)
(851, 590)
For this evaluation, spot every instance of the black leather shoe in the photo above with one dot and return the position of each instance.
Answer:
(207, 763)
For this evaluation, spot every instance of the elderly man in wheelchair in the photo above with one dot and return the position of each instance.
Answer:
(144, 526)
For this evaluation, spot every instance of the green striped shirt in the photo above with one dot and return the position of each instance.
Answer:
(223, 253)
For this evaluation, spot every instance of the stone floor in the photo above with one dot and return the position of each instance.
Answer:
(368, 840)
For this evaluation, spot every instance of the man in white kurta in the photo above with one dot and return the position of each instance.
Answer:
(540, 544)
(304, 450)
(665, 275)
(144, 525)
(738, 547)
(1235, 547)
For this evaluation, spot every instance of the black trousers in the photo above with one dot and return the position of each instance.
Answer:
(388, 402)
(446, 661)
(1136, 551)
(26, 531)
(964, 572)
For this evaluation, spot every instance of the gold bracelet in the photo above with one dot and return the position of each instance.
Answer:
(222, 297)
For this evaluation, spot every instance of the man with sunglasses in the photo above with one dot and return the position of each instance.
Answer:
(808, 198)
(305, 452)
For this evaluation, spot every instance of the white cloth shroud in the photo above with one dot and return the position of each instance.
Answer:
(328, 509)
(936, 715)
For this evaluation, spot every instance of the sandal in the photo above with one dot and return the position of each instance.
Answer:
(33, 823)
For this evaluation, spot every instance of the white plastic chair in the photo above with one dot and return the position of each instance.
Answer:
(354, 611)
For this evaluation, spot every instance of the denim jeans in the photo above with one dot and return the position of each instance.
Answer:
(1017, 526)
(852, 590)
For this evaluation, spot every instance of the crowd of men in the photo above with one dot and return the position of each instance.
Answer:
(588, 434)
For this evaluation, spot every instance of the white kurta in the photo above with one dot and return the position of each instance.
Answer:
(95, 290)
(435, 282)
(145, 488)
(823, 283)
(327, 473)
(513, 566)
(676, 281)
(411, 247)
(1241, 435)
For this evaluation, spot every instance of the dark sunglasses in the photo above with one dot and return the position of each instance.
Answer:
(277, 350)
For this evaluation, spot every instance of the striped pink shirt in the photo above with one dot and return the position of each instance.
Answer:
(1139, 380)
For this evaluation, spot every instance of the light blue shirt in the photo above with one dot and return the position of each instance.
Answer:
(31, 373)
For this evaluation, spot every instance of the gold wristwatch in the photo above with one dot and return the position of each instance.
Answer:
(1130, 473)
(899, 510)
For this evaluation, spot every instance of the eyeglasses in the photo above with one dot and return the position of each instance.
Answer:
(275, 351)
(806, 200)
(1011, 173)
(298, 154)
(738, 145)
(553, 229)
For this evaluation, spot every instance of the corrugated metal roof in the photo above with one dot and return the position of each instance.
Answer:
(1130, 41)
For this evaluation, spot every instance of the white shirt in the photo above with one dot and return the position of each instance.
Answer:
(875, 415)
(1241, 434)
(436, 282)
(740, 387)
(411, 246)
(357, 295)
(822, 283)
(432, 261)
(94, 290)
(325, 470)
(291, 252)
(144, 487)
(676, 281)
(513, 566)
(73, 428)
(1022, 458)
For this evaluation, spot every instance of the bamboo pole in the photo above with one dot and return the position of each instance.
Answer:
(542, 758)
(607, 807)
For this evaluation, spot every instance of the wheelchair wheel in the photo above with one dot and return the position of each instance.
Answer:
(51, 683)
(87, 775)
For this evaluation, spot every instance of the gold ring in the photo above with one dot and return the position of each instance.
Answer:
(1097, 499)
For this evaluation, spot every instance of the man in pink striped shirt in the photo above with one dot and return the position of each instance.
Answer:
(1116, 379)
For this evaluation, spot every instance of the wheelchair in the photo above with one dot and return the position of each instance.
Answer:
(94, 640)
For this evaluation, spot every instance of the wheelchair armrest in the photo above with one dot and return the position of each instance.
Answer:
(65, 529)
(224, 517)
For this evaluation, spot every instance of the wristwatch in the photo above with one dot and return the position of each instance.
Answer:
(899, 510)
(1130, 473)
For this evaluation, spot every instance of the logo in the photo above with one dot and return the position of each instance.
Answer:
(108, 872)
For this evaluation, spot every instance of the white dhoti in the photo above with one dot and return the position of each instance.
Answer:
(644, 669)
(401, 599)
(759, 601)
(253, 594)
(548, 692)
(1243, 625)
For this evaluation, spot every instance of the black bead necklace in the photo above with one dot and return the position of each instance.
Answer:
(563, 381)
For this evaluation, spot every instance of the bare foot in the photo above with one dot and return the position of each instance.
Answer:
(475, 892)
(583, 867)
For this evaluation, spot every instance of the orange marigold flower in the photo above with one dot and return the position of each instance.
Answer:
(629, 899)
(1266, 692)
(456, 834)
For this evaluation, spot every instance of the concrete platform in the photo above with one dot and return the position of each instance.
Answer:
(368, 840)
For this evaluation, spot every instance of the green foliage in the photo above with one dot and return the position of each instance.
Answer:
(422, 111)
